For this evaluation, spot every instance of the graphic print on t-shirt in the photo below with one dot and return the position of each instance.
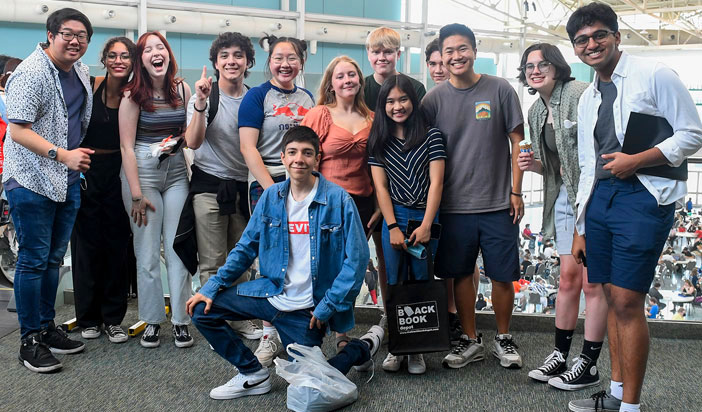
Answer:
(482, 110)
(299, 228)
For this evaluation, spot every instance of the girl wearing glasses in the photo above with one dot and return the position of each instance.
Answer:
(265, 114)
(101, 232)
(155, 183)
(553, 131)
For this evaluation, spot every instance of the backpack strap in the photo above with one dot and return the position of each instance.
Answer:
(214, 103)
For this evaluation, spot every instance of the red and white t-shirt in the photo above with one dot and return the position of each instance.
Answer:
(297, 290)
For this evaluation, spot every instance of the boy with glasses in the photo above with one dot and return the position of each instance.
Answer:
(625, 212)
(49, 103)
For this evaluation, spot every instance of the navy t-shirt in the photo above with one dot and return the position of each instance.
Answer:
(74, 96)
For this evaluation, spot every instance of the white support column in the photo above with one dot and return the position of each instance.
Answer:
(300, 80)
(142, 9)
(423, 42)
(408, 56)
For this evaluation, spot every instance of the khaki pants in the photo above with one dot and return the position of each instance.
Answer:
(216, 235)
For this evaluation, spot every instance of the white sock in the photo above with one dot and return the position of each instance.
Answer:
(270, 331)
(630, 407)
(616, 389)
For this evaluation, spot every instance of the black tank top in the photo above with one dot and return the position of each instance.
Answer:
(103, 130)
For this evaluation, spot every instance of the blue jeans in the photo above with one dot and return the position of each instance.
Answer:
(292, 327)
(43, 229)
(394, 268)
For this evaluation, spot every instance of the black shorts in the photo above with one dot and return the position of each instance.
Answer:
(464, 235)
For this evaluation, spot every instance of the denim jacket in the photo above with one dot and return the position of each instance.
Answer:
(338, 252)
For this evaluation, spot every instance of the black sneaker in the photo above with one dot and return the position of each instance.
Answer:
(181, 336)
(582, 374)
(150, 337)
(455, 328)
(554, 365)
(58, 342)
(36, 356)
(116, 334)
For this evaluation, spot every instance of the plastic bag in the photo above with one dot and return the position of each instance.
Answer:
(315, 385)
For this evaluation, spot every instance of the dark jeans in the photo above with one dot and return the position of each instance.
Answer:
(293, 327)
(99, 246)
(43, 229)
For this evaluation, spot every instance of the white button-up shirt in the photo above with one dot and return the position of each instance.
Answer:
(647, 87)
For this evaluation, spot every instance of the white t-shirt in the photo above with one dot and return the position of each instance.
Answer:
(297, 290)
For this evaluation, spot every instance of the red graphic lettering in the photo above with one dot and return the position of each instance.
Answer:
(299, 228)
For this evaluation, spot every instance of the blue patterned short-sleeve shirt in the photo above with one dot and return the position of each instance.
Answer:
(34, 95)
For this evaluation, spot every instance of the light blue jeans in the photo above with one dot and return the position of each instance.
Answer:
(167, 189)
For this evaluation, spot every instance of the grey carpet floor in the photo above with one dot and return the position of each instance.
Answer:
(110, 377)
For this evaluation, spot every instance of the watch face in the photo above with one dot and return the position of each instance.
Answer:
(52, 153)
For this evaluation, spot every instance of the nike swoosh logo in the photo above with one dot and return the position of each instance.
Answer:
(249, 386)
(591, 348)
(569, 337)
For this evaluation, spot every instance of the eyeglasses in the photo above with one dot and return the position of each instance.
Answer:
(599, 36)
(68, 36)
(544, 67)
(122, 56)
(289, 59)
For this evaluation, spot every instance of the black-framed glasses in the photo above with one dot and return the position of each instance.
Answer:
(123, 56)
(599, 36)
(68, 36)
(544, 67)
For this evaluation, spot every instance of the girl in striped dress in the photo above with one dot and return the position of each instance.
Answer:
(407, 163)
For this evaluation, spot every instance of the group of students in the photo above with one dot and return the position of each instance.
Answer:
(302, 187)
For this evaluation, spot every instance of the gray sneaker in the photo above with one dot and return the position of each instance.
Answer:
(600, 402)
(467, 351)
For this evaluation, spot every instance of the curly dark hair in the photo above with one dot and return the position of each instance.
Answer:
(233, 39)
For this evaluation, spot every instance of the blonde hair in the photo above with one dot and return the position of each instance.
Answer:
(383, 37)
(326, 94)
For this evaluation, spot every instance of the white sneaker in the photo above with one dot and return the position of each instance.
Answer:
(466, 351)
(392, 363)
(247, 329)
(506, 351)
(374, 337)
(240, 385)
(268, 349)
(416, 365)
(91, 332)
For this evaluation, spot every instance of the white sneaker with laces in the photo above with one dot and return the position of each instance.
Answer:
(91, 332)
(392, 363)
(240, 385)
(374, 337)
(466, 351)
(247, 329)
(416, 365)
(506, 351)
(268, 349)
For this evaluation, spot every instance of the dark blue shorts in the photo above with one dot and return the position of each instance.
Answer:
(464, 235)
(625, 231)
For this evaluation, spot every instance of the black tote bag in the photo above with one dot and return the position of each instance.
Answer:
(417, 313)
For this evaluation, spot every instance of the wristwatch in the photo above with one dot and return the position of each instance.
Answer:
(53, 152)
